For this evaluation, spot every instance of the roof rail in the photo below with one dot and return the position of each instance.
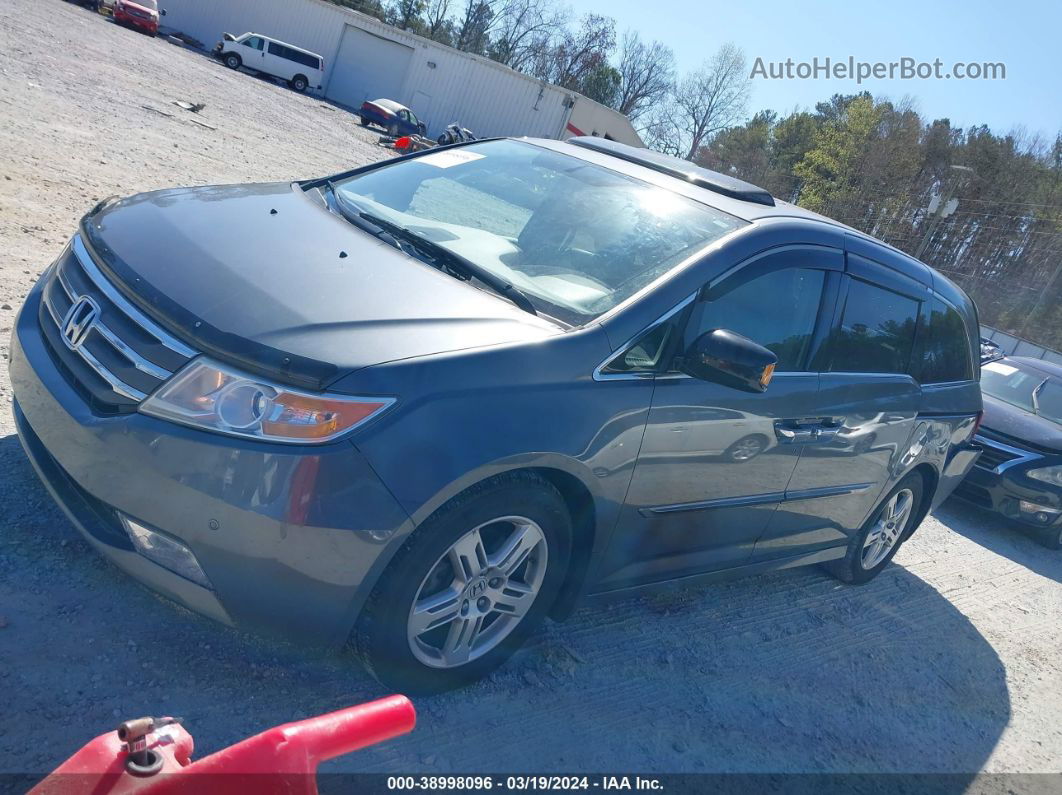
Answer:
(674, 167)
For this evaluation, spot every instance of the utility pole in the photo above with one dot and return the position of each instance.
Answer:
(943, 205)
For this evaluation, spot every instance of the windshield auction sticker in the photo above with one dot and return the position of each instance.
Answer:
(451, 157)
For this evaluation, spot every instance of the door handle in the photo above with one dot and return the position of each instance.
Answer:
(796, 432)
(793, 435)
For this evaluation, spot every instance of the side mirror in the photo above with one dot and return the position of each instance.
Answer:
(162, 12)
(728, 358)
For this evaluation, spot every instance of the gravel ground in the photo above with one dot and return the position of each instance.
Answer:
(947, 662)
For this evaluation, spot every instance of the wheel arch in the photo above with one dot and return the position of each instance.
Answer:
(930, 479)
(570, 477)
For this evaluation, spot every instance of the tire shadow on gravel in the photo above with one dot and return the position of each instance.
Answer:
(783, 673)
(1002, 536)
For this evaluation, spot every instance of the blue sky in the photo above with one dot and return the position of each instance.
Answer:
(1026, 36)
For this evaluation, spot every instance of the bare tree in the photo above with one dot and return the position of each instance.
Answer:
(437, 25)
(647, 74)
(704, 102)
(526, 29)
(578, 53)
(406, 14)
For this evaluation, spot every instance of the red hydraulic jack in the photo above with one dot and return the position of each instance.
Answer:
(154, 755)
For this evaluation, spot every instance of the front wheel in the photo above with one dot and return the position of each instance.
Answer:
(870, 550)
(232, 60)
(468, 587)
(1050, 537)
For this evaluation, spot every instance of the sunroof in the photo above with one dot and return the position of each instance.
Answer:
(682, 169)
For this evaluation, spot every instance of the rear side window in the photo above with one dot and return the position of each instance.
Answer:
(778, 310)
(877, 331)
(303, 58)
(944, 344)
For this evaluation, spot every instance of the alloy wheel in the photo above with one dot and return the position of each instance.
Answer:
(888, 529)
(477, 592)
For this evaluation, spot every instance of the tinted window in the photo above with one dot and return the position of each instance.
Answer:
(944, 344)
(777, 310)
(877, 331)
(276, 49)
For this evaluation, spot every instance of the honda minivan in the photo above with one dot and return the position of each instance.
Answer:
(424, 404)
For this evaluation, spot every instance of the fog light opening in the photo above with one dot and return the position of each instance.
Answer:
(1041, 514)
(166, 551)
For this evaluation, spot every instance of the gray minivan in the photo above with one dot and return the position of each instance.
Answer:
(421, 405)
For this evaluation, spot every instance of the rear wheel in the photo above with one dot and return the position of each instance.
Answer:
(363, 121)
(870, 550)
(468, 587)
(299, 83)
(232, 60)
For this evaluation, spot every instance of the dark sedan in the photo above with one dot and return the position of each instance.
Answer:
(1019, 474)
(396, 119)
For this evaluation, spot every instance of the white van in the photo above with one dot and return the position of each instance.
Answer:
(301, 68)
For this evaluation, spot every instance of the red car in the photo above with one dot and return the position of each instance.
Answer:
(140, 14)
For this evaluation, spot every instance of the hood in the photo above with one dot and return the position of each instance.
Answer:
(1021, 425)
(264, 277)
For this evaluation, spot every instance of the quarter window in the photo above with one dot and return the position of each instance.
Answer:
(877, 331)
(778, 310)
(944, 343)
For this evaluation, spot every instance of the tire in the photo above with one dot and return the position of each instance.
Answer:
(444, 139)
(363, 121)
(1050, 537)
(746, 448)
(232, 60)
(431, 654)
(864, 559)
(299, 83)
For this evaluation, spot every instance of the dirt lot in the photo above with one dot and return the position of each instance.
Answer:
(949, 661)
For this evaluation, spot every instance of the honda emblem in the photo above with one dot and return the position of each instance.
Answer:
(79, 321)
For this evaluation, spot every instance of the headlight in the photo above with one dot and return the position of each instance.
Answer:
(208, 395)
(1049, 475)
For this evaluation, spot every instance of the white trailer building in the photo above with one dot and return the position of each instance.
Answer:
(366, 59)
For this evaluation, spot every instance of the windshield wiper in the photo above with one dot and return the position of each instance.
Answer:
(439, 255)
(453, 261)
(1036, 396)
(354, 215)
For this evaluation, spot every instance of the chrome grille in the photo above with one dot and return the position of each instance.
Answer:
(996, 455)
(123, 355)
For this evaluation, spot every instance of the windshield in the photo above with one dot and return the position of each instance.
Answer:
(571, 234)
(1023, 387)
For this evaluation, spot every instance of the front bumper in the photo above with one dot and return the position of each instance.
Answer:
(1004, 489)
(291, 538)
